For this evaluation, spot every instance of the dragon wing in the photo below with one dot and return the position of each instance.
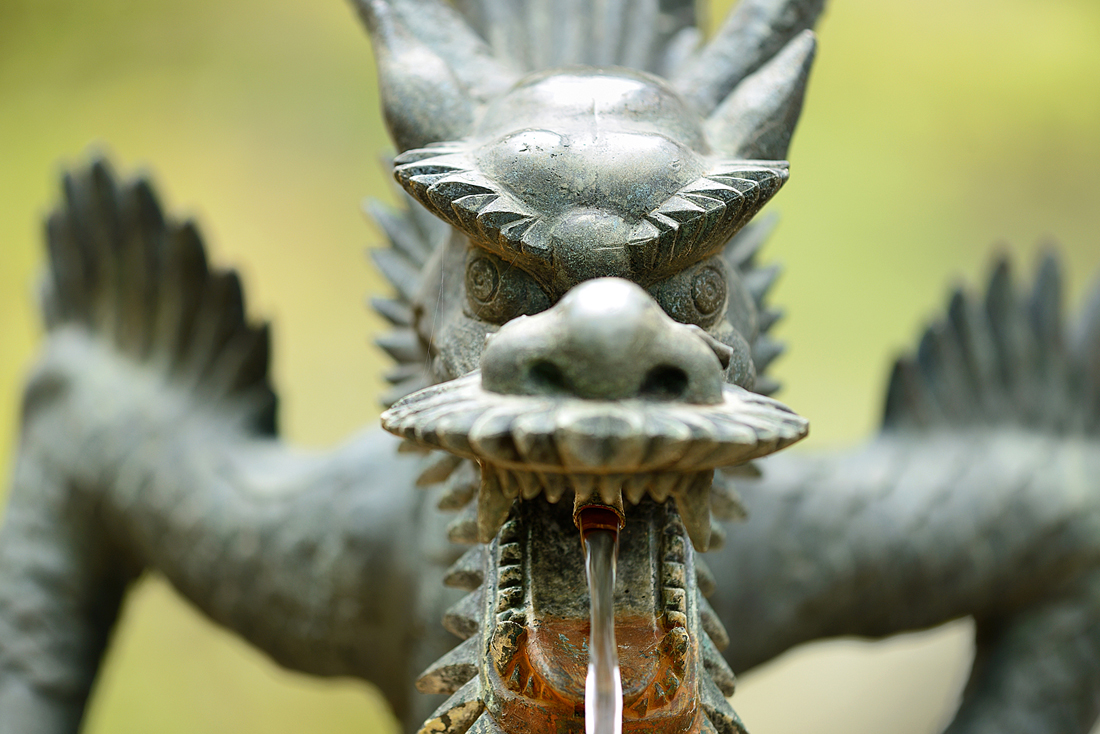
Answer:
(980, 497)
(149, 442)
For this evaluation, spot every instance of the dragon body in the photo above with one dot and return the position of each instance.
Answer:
(580, 320)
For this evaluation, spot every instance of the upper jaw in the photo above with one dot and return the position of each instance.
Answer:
(605, 451)
(603, 394)
(562, 434)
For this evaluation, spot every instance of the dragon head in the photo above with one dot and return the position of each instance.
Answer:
(598, 341)
(592, 333)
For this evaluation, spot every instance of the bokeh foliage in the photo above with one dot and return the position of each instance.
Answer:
(931, 132)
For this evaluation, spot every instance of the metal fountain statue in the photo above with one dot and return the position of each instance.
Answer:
(582, 340)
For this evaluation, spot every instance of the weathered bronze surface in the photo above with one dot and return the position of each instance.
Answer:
(579, 319)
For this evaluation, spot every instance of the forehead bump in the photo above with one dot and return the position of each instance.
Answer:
(692, 223)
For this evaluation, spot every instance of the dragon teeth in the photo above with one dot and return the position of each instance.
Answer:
(583, 485)
(493, 504)
(504, 644)
(635, 487)
(747, 470)
(410, 446)
(510, 484)
(692, 492)
(609, 493)
(554, 486)
(692, 496)
(610, 487)
(529, 485)
(662, 486)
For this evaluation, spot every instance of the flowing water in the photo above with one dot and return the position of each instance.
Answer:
(603, 687)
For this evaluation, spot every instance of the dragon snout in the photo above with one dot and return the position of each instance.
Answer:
(602, 396)
(607, 339)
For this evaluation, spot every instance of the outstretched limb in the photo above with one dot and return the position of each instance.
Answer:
(1044, 660)
(981, 498)
(149, 443)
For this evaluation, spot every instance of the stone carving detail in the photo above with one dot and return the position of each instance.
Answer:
(579, 318)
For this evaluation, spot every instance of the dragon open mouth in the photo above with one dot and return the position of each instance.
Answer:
(527, 616)
(527, 612)
(606, 451)
(539, 638)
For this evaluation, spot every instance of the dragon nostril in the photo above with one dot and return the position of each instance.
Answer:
(547, 377)
(664, 382)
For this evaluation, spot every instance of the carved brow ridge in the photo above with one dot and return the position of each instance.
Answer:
(694, 222)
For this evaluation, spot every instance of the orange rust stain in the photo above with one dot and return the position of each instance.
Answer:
(545, 678)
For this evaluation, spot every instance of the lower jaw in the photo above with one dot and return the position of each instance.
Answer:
(538, 631)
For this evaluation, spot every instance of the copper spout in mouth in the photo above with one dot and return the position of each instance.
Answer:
(625, 657)
(589, 516)
(598, 517)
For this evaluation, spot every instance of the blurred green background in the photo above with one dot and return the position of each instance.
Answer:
(932, 132)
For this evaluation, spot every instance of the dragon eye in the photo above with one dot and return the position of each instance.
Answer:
(497, 291)
(482, 280)
(708, 290)
(696, 295)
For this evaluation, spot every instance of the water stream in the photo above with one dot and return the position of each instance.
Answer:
(603, 687)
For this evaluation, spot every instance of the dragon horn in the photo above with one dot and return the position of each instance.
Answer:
(754, 32)
(758, 117)
(433, 70)
(422, 100)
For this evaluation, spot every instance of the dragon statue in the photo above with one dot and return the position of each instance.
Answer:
(580, 323)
